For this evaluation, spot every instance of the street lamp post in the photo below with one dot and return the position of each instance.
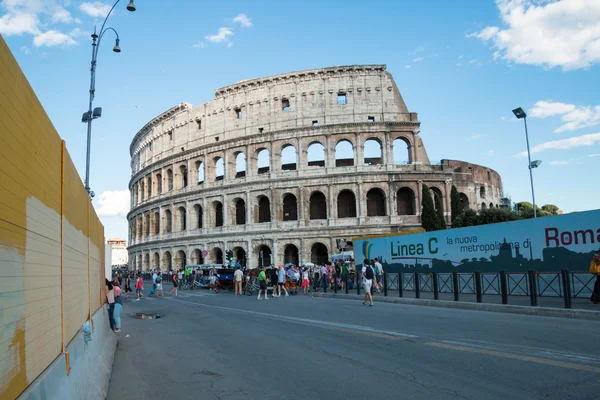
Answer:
(94, 113)
(520, 114)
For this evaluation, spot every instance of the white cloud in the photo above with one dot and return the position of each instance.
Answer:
(52, 38)
(18, 24)
(220, 36)
(113, 203)
(408, 66)
(25, 50)
(96, 9)
(243, 20)
(564, 144)
(199, 45)
(490, 153)
(559, 162)
(594, 155)
(547, 33)
(573, 117)
(418, 59)
(64, 16)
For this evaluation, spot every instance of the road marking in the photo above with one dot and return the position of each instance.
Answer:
(358, 328)
(495, 353)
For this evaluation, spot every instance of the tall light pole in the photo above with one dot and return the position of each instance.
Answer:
(92, 114)
(520, 114)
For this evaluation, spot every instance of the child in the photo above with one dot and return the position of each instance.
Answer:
(305, 282)
(159, 287)
(138, 287)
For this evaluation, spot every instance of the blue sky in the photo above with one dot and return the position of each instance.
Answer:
(463, 66)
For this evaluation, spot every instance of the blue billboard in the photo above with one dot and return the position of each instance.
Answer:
(546, 244)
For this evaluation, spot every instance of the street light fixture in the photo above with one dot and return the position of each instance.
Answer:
(520, 114)
(92, 114)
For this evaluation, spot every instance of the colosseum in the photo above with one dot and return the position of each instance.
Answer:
(277, 168)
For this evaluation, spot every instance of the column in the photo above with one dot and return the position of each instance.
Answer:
(360, 197)
(249, 255)
(226, 222)
(301, 207)
(359, 150)
(274, 253)
(331, 203)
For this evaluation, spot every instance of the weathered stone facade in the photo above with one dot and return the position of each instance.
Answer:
(276, 169)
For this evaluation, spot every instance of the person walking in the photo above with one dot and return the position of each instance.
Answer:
(153, 287)
(159, 286)
(238, 276)
(175, 285)
(274, 277)
(323, 276)
(118, 306)
(262, 280)
(367, 277)
(379, 272)
(595, 269)
(180, 276)
(344, 280)
(281, 281)
(139, 285)
(109, 291)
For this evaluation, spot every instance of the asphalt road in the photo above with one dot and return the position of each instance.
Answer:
(226, 347)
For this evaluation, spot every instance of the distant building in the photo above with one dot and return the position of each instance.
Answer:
(119, 255)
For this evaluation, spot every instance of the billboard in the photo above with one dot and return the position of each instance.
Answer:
(546, 244)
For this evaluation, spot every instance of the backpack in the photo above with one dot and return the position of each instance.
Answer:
(369, 272)
(158, 279)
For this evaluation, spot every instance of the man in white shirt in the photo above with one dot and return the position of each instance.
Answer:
(379, 274)
(367, 276)
(238, 275)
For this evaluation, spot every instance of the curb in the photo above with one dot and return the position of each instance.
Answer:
(511, 309)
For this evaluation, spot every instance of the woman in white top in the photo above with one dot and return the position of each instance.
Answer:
(305, 282)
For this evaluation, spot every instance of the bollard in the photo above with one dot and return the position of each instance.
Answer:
(385, 288)
(436, 291)
(400, 284)
(455, 288)
(566, 297)
(346, 284)
(357, 283)
(324, 279)
(478, 290)
(335, 283)
(568, 288)
(532, 288)
(417, 286)
(503, 287)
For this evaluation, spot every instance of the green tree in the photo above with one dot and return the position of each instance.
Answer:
(429, 220)
(455, 203)
(485, 216)
(550, 209)
(439, 209)
(525, 209)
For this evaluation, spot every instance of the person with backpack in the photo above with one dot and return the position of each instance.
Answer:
(367, 277)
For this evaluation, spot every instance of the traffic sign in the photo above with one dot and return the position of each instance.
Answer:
(204, 253)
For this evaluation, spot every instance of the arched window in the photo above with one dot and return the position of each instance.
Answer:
(375, 203)
(372, 152)
(491, 205)
(319, 254)
(218, 213)
(199, 216)
(290, 208)
(218, 255)
(344, 154)
(180, 260)
(147, 225)
(483, 207)
(170, 179)
(158, 183)
(489, 174)
(240, 212)
(142, 192)
(482, 191)
(401, 150)
(167, 258)
(438, 198)
(240, 255)
(156, 223)
(240, 165)
(464, 201)
(200, 168)
(405, 201)
(219, 169)
(184, 176)
(196, 257)
(155, 261)
(346, 203)
(264, 210)
(149, 186)
(264, 256)
(263, 161)
(316, 155)
(318, 206)
(290, 255)
(182, 218)
(288, 158)
(168, 221)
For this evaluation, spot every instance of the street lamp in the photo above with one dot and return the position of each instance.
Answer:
(520, 114)
(92, 114)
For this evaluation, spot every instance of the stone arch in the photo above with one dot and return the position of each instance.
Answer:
(196, 257)
(373, 153)
(264, 255)
(263, 160)
(183, 173)
(149, 185)
(180, 260)
(240, 164)
(217, 255)
(240, 211)
(491, 205)
(437, 194)
(169, 179)
(147, 224)
(482, 191)
(142, 191)
(156, 223)
(200, 171)
(483, 206)
(464, 201)
(166, 261)
(401, 151)
(155, 261)
(168, 225)
(199, 216)
(146, 264)
(344, 153)
(376, 203)
(219, 169)
(181, 219)
(239, 255)
(319, 254)
(346, 204)
(290, 207)
(290, 254)
(218, 210)
(158, 183)
(288, 157)
(317, 206)
(405, 201)
(316, 155)
(264, 209)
